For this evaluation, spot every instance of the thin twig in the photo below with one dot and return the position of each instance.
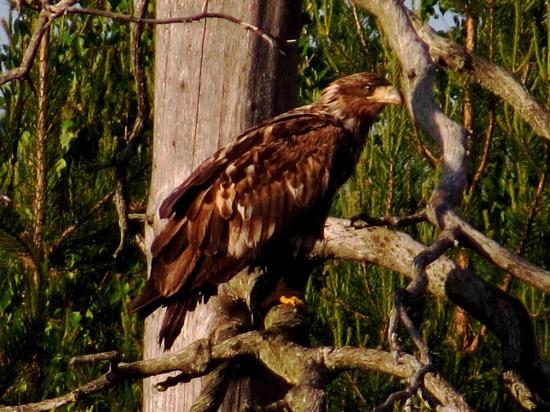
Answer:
(359, 28)
(485, 153)
(72, 228)
(94, 358)
(64, 7)
(270, 38)
(42, 24)
(422, 149)
(535, 203)
(140, 84)
(444, 241)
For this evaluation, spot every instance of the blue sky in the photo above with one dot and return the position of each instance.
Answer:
(4, 8)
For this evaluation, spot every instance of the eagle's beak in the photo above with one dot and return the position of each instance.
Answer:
(387, 95)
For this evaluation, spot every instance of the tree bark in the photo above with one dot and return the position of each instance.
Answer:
(212, 81)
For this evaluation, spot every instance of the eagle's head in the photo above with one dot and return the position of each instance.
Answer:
(357, 100)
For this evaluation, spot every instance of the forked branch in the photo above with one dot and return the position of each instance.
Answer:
(292, 362)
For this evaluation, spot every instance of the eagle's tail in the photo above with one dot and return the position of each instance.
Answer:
(173, 321)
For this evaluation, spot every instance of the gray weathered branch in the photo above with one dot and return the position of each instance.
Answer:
(299, 366)
(417, 84)
(502, 314)
(305, 369)
(490, 76)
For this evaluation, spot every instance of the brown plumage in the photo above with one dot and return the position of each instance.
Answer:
(261, 200)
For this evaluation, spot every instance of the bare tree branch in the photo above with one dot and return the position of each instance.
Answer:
(417, 83)
(494, 252)
(393, 250)
(42, 24)
(63, 7)
(491, 76)
(504, 315)
(271, 39)
(298, 365)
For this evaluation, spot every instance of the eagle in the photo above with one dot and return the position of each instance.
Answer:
(260, 201)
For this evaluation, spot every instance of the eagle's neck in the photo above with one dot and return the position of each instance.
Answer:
(350, 116)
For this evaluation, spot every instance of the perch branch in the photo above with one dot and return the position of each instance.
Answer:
(504, 316)
(296, 364)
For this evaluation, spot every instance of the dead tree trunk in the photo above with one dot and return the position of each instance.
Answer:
(213, 79)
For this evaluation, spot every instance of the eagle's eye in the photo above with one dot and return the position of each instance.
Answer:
(369, 88)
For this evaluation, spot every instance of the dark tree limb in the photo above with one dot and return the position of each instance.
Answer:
(307, 370)
(213, 389)
(399, 314)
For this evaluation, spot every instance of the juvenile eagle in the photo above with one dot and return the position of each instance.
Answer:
(262, 200)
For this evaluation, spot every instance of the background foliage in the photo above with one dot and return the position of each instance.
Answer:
(57, 301)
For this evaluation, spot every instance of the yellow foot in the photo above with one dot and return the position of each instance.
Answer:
(292, 301)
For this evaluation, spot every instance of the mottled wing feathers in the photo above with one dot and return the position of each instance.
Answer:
(239, 201)
(261, 200)
(295, 122)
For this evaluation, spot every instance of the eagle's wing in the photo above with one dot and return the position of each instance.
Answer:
(240, 200)
(298, 121)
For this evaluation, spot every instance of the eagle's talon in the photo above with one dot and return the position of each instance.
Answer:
(292, 301)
